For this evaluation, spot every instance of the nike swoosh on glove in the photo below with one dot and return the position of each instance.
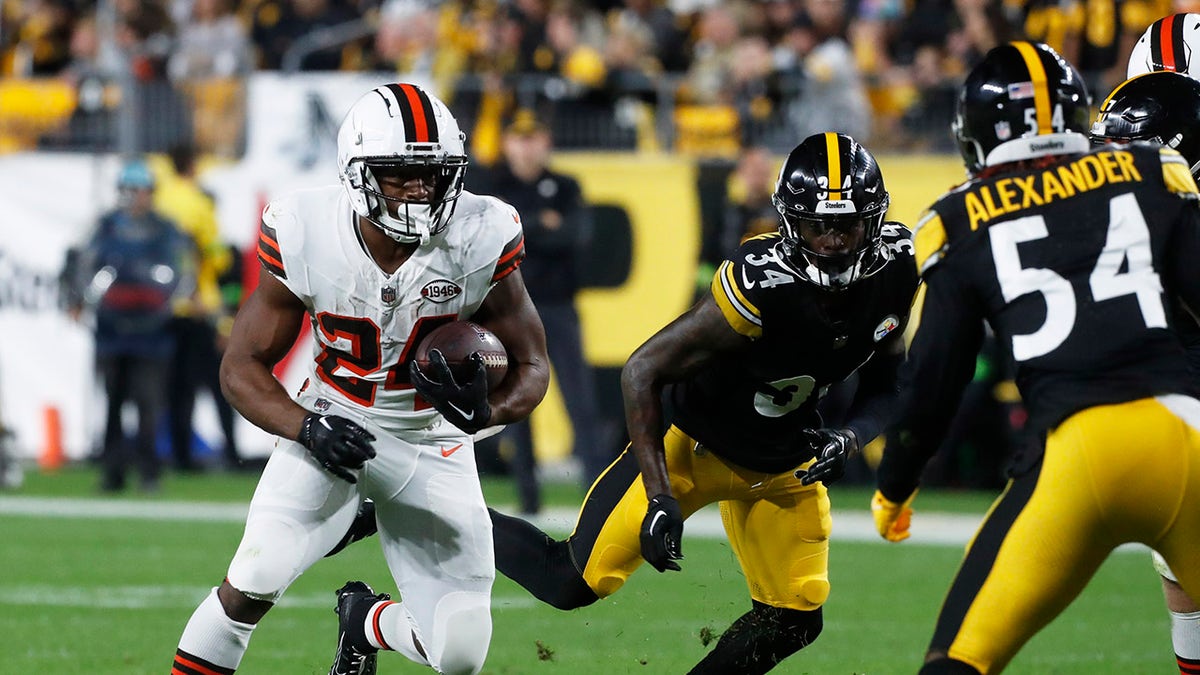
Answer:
(662, 531)
(337, 443)
(466, 405)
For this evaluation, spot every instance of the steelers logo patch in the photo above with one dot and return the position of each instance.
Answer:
(889, 324)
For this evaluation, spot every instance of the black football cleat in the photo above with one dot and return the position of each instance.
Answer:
(354, 656)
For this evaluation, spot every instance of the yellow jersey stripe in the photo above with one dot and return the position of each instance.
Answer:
(1041, 92)
(1177, 175)
(741, 314)
(929, 240)
(835, 163)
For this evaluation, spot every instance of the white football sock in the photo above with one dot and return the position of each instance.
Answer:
(213, 636)
(1185, 634)
(388, 626)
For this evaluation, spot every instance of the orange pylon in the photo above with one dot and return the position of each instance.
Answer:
(52, 457)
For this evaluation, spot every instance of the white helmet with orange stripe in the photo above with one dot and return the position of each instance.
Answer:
(1170, 43)
(402, 131)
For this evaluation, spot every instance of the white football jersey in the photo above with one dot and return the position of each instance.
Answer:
(366, 323)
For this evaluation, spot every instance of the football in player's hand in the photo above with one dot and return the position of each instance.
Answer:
(457, 341)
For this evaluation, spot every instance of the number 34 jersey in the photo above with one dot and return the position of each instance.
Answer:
(1074, 264)
(366, 323)
(748, 406)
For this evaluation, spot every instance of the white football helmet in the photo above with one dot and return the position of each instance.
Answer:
(393, 128)
(1171, 43)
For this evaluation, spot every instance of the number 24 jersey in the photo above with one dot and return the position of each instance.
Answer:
(367, 323)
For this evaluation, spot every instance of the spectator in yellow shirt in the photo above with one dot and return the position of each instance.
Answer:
(197, 357)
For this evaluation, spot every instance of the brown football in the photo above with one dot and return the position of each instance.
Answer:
(457, 341)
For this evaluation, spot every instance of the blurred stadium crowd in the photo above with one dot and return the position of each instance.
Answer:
(733, 84)
(703, 77)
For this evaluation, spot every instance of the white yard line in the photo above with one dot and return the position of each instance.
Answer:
(928, 528)
(938, 529)
(172, 596)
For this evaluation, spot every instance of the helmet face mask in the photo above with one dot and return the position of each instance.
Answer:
(830, 236)
(1021, 102)
(383, 183)
(1162, 107)
(395, 134)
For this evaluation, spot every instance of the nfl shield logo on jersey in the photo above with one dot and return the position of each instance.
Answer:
(388, 295)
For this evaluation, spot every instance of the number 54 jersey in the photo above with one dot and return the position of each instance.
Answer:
(366, 323)
(1074, 264)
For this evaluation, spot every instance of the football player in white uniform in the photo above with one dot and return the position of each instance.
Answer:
(374, 265)
(1170, 44)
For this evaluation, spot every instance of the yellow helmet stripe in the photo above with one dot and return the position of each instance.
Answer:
(835, 163)
(1041, 93)
(1104, 106)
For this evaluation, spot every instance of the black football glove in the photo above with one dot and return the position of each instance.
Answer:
(363, 526)
(337, 443)
(662, 530)
(832, 447)
(465, 406)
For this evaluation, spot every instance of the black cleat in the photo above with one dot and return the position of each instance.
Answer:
(354, 656)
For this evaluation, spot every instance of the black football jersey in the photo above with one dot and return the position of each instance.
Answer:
(749, 406)
(1074, 265)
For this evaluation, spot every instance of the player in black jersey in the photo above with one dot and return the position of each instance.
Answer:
(789, 314)
(1072, 254)
(1164, 107)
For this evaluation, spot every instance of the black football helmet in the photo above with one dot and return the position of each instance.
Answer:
(1162, 107)
(830, 183)
(1022, 101)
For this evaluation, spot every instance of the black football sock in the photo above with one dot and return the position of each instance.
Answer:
(538, 563)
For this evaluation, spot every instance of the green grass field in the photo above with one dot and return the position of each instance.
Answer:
(110, 595)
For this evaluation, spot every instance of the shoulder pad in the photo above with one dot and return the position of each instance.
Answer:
(894, 232)
(510, 257)
(740, 280)
(1177, 175)
(269, 254)
(929, 240)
